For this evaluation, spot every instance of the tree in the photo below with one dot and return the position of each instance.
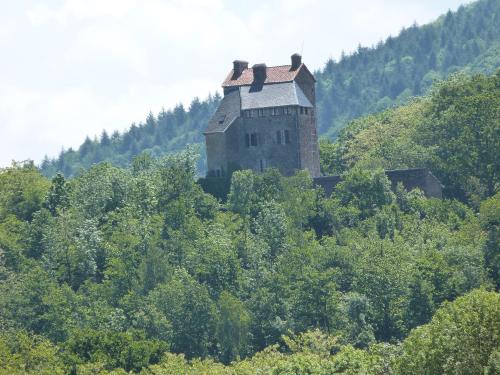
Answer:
(368, 191)
(490, 221)
(464, 130)
(22, 190)
(242, 195)
(232, 329)
(58, 195)
(130, 351)
(460, 338)
(23, 353)
(187, 305)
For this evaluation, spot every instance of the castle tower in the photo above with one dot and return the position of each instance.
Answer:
(267, 118)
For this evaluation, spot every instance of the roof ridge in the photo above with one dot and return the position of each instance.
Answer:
(274, 66)
(275, 74)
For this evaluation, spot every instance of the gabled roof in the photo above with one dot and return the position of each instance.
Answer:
(274, 74)
(227, 112)
(277, 95)
(253, 97)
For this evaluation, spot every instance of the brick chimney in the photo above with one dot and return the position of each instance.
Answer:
(296, 61)
(259, 72)
(238, 67)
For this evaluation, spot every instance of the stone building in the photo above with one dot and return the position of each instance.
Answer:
(267, 118)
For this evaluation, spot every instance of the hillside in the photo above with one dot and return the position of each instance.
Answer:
(373, 79)
(454, 131)
(136, 269)
(368, 81)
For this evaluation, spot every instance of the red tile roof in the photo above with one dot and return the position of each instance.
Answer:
(274, 74)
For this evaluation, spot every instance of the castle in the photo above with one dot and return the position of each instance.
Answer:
(267, 118)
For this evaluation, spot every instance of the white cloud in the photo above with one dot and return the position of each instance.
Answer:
(71, 68)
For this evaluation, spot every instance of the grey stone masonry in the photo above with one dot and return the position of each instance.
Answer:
(267, 118)
(420, 178)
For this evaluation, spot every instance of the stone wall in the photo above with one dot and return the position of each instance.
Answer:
(308, 143)
(281, 156)
(216, 153)
(420, 178)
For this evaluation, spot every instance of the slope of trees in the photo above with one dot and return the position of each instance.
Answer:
(454, 131)
(463, 338)
(367, 81)
(374, 79)
(169, 131)
(138, 270)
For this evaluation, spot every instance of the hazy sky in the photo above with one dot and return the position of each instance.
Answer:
(70, 68)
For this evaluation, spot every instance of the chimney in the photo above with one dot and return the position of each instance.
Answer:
(238, 67)
(259, 72)
(296, 61)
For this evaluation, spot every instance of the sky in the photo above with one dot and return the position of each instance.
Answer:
(71, 68)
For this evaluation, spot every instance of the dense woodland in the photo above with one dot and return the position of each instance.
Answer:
(138, 270)
(367, 81)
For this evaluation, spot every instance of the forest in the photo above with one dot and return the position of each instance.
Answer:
(368, 80)
(137, 270)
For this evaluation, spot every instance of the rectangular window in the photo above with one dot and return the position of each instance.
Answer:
(306, 110)
(278, 137)
(261, 113)
(253, 139)
(301, 110)
(277, 111)
(247, 140)
(287, 137)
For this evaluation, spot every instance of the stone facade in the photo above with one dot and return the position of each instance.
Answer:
(267, 118)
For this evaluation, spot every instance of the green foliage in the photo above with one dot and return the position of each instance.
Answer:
(232, 327)
(462, 338)
(454, 132)
(374, 79)
(187, 305)
(127, 350)
(367, 191)
(490, 221)
(21, 353)
(22, 191)
(57, 197)
(464, 130)
(117, 267)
